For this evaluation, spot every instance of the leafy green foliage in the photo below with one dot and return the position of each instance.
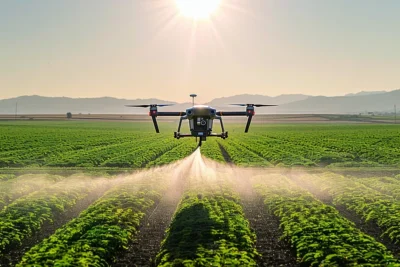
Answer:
(106, 227)
(26, 215)
(386, 185)
(209, 225)
(179, 152)
(85, 145)
(369, 203)
(242, 156)
(209, 229)
(211, 149)
(12, 189)
(350, 145)
(320, 236)
(120, 144)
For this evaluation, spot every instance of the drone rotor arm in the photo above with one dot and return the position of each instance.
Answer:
(231, 113)
(171, 113)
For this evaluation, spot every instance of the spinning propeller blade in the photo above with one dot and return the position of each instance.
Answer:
(253, 105)
(148, 105)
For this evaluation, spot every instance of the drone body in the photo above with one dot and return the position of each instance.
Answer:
(201, 119)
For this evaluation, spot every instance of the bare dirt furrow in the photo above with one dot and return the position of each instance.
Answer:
(143, 250)
(273, 250)
(48, 228)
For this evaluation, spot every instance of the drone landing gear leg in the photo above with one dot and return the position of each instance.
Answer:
(222, 124)
(180, 124)
(224, 134)
(177, 134)
(248, 123)
(155, 124)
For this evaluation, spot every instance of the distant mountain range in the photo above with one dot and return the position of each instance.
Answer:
(374, 101)
(58, 105)
(367, 93)
(359, 103)
(246, 98)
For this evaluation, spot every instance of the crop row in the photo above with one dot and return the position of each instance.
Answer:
(310, 145)
(363, 143)
(131, 153)
(25, 148)
(101, 231)
(178, 152)
(82, 145)
(136, 154)
(387, 185)
(13, 189)
(92, 156)
(208, 229)
(241, 156)
(368, 203)
(142, 155)
(320, 236)
(26, 215)
(212, 150)
(282, 153)
(89, 144)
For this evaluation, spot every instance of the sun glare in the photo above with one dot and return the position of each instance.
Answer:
(197, 9)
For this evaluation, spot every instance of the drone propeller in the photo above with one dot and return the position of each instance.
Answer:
(253, 105)
(148, 105)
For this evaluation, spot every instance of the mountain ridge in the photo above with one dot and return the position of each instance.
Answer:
(363, 101)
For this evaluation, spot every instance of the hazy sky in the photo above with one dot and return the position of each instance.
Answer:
(145, 48)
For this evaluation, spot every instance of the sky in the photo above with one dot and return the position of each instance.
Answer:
(148, 49)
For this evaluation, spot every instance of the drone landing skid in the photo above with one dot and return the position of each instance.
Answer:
(179, 135)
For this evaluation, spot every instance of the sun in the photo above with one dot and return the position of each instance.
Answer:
(197, 9)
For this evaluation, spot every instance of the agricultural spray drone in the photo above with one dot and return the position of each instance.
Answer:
(201, 118)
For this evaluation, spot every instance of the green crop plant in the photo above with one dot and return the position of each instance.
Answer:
(368, 203)
(26, 215)
(320, 236)
(102, 230)
(208, 229)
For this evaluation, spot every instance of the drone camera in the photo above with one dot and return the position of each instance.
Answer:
(201, 121)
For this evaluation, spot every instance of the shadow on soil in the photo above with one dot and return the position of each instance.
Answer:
(184, 237)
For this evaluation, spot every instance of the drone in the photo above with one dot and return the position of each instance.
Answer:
(201, 118)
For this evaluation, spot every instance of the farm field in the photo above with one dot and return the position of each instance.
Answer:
(135, 145)
(76, 193)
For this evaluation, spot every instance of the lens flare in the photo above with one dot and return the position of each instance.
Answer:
(197, 9)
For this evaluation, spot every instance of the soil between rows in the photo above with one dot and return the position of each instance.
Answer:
(143, 250)
(15, 254)
(273, 250)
